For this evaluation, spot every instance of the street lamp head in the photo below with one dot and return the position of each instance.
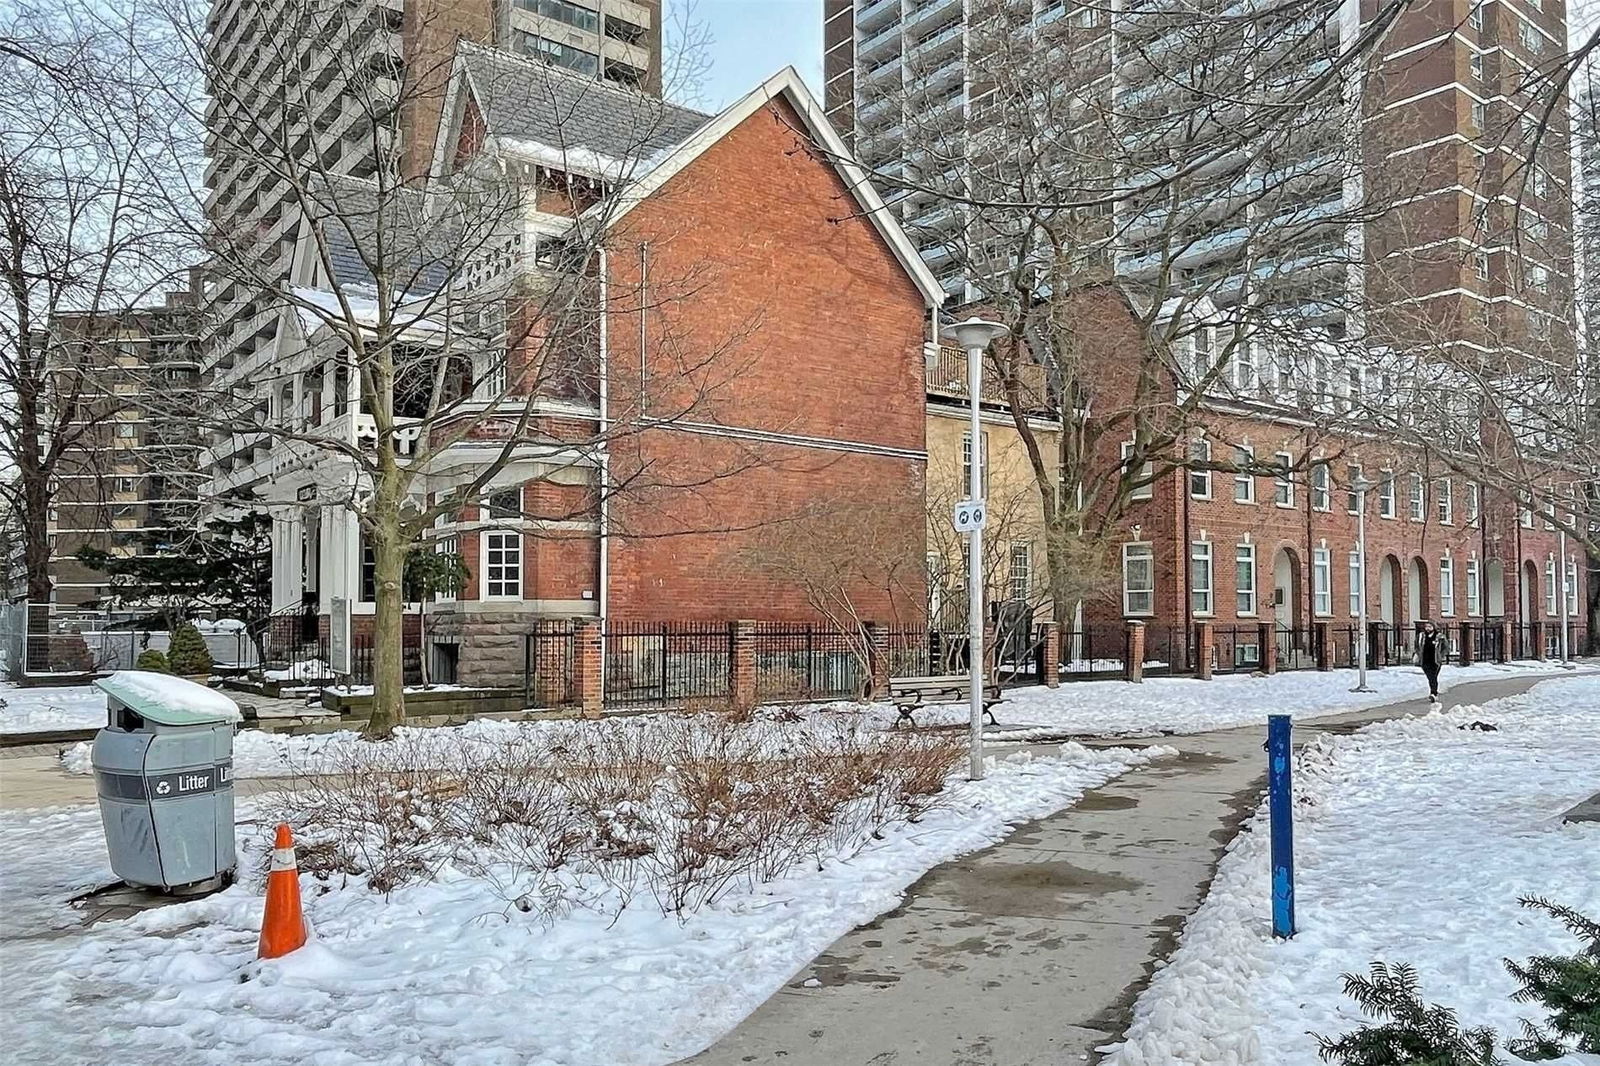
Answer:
(973, 333)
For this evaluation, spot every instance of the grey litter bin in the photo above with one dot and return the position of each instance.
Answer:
(163, 768)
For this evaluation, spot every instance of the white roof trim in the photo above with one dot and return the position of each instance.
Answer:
(450, 112)
(787, 82)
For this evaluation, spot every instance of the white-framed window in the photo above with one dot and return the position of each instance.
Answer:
(1479, 115)
(1205, 356)
(1474, 502)
(1474, 593)
(1322, 581)
(1245, 380)
(1475, 65)
(1321, 487)
(1447, 587)
(500, 550)
(1525, 518)
(1475, 16)
(1358, 585)
(1480, 265)
(1530, 37)
(1146, 474)
(1244, 482)
(1386, 495)
(1200, 600)
(367, 579)
(1352, 496)
(1021, 571)
(1550, 587)
(1444, 499)
(1138, 579)
(1417, 498)
(966, 463)
(1200, 480)
(450, 545)
(1572, 588)
(1283, 484)
(1539, 279)
(1244, 569)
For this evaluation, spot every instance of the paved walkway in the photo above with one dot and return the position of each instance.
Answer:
(1033, 951)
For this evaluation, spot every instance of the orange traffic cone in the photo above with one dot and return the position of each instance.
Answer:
(283, 926)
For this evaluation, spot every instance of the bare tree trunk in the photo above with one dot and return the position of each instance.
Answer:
(388, 636)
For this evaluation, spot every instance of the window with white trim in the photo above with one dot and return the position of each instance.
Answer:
(1474, 502)
(1145, 474)
(1357, 584)
(1572, 588)
(1479, 112)
(1283, 484)
(1475, 65)
(1244, 569)
(1200, 601)
(1321, 487)
(1204, 354)
(1138, 579)
(1200, 480)
(1021, 572)
(1474, 592)
(1352, 495)
(1550, 587)
(447, 546)
(1475, 17)
(500, 550)
(966, 464)
(1530, 37)
(1244, 482)
(1444, 499)
(1386, 495)
(1322, 581)
(1525, 519)
(1447, 587)
(1417, 498)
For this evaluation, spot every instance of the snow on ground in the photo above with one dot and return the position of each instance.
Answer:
(1413, 840)
(447, 971)
(1186, 705)
(33, 710)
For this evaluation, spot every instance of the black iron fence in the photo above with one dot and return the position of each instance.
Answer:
(654, 663)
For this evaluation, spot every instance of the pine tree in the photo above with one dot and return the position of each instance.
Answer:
(1412, 1033)
(1567, 985)
(188, 654)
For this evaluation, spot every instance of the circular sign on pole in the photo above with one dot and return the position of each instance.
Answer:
(969, 515)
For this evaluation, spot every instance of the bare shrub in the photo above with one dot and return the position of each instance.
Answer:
(682, 808)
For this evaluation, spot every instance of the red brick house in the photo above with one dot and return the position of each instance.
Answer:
(752, 383)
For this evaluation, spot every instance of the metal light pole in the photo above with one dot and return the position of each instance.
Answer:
(1361, 487)
(974, 335)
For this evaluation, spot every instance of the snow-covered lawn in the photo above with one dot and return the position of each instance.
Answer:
(34, 710)
(1185, 705)
(1413, 841)
(446, 971)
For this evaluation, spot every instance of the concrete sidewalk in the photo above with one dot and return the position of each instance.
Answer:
(1033, 951)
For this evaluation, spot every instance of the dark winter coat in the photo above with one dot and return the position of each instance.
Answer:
(1428, 651)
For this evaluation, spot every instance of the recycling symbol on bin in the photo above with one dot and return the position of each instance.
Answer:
(163, 787)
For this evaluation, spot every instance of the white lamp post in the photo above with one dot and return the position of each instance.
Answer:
(1361, 487)
(1561, 589)
(974, 336)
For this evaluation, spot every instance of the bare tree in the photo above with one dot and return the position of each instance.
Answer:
(82, 210)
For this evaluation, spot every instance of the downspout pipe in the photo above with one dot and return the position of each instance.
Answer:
(604, 593)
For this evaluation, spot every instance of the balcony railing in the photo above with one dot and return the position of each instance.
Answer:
(947, 378)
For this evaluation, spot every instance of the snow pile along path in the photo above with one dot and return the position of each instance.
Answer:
(1182, 705)
(36, 710)
(1413, 840)
(449, 971)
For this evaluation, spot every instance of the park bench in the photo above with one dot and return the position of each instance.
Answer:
(911, 694)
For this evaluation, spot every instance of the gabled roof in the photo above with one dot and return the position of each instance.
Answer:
(788, 85)
(531, 107)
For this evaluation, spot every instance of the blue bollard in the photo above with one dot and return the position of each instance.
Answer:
(1280, 799)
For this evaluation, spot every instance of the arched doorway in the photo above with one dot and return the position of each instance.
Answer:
(1286, 603)
(1416, 591)
(1495, 594)
(1529, 592)
(1388, 590)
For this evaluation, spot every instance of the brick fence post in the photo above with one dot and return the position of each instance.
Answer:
(1133, 664)
(878, 660)
(1536, 634)
(1050, 655)
(587, 668)
(742, 665)
(1205, 644)
(1324, 638)
(1267, 640)
(1504, 652)
(1466, 644)
(551, 637)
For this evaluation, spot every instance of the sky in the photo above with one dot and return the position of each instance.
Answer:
(754, 39)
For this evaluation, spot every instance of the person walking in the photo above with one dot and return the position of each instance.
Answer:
(1430, 656)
